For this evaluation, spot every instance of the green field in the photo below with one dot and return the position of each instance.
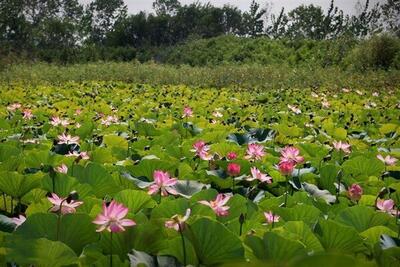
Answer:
(335, 202)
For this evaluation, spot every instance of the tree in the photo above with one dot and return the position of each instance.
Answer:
(253, 20)
(391, 16)
(100, 18)
(166, 7)
(366, 21)
(306, 22)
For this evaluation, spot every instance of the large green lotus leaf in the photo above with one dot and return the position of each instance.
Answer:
(148, 237)
(363, 166)
(17, 185)
(306, 213)
(214, 243)
(146, 129)
(337, 237)
(174, 247)
(362, 218)
(331, 260)
(146, 168)
(328, 176)
(300, 231)
(103, 155)
(97, 177)
(40, 252)
(135, 200)
(85, 130)
(37, 158)
(8, 151)
(373, 234)
(275, 247)
(115, 141)
(169, 208)
(77, 230)
(64, 184)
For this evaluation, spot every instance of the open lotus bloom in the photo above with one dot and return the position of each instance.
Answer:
(27, 114)
(202, 150)
(292, 154)
(62, 205)
(187, 112)
(14, 107)
(177, 222)
(341, 146)
(388, 160)
(256, 174)
(271, 218)
(386, 206)
(218, 205)
(254, 152)
(112, 218)
(62, 169)
(162, 182)
(67, 139)
(56, 121)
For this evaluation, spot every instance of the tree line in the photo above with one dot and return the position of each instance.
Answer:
(31, 25)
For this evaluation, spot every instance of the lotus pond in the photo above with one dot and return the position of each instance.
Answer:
(176, 176)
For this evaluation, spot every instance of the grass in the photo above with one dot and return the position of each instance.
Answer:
(236, 76)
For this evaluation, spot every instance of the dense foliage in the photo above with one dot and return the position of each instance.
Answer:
(285, 177)
(66, 31)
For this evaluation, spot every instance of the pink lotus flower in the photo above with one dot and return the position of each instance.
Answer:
(163, 182)
(13, 107)
(55, 121)
(325, 104)
(233, 169)
(62, 169)
(187, 112)
(67, 139)
(386, 206)
(345, 147)
(375, 94)
(19, 220)
(388, 160)
(256, 174)
(112, 218)
(294, 109)
(217, 114)
(62, 203)
(82, 155)
(27, 114)
(291, 154)
(78, 111)
(271, 218)
(345, 90)
(109, 120)
(359, 92)
(202, 150)
(218, 205)
(231, 156)
(286, 167)
(254, 152)
(355, 192)
(177, 222)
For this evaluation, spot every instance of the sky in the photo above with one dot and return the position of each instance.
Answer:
(348, 6)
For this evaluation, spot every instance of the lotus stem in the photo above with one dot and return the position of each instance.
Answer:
(183, 244)
(287, 189)
(111, 248)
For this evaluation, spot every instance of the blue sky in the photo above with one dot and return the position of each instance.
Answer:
(347, 6)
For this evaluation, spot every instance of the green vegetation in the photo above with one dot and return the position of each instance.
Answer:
(249, 77)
